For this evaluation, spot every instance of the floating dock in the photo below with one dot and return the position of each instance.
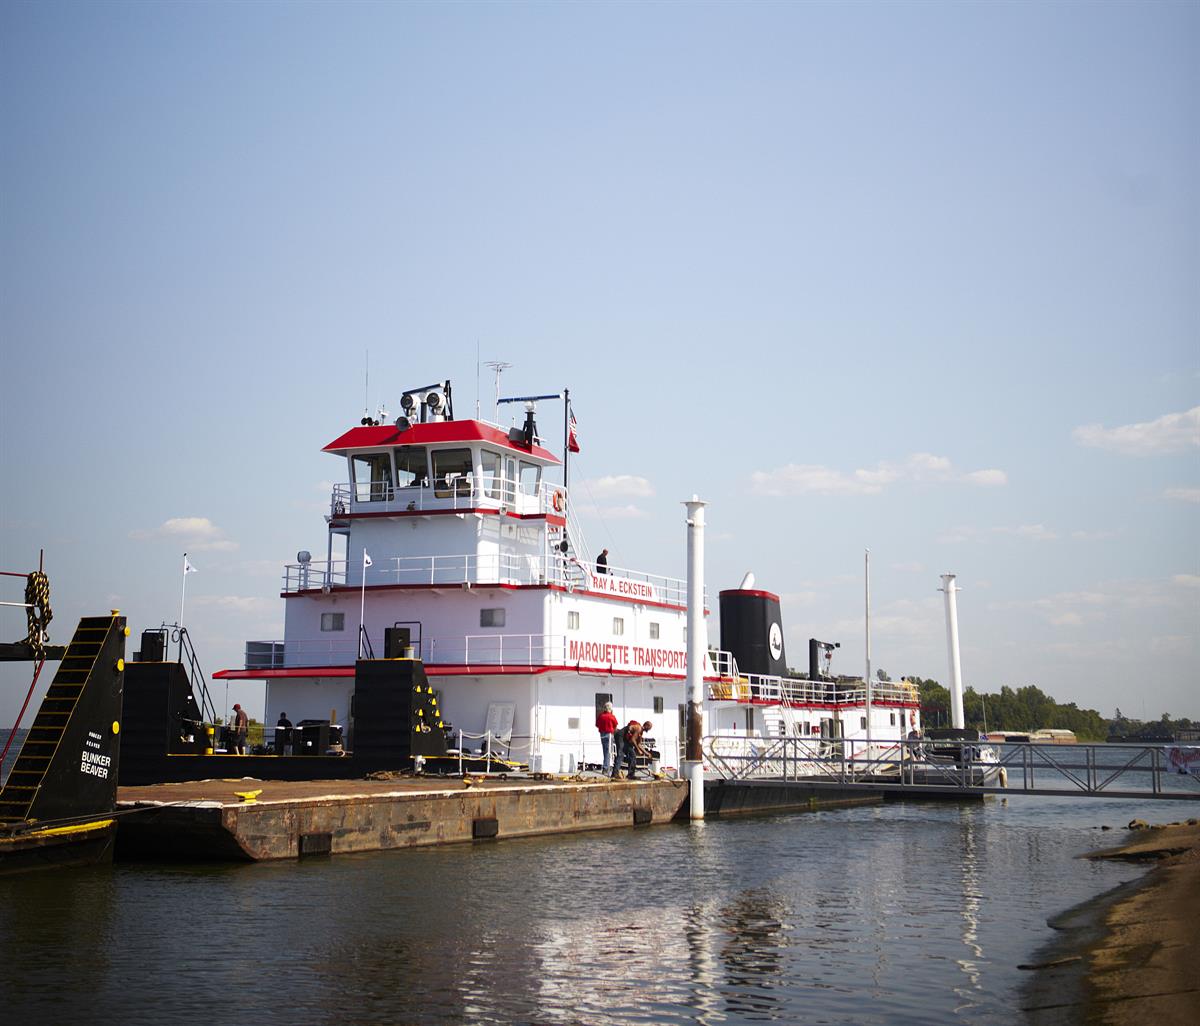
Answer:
(254, 820)
(289, 819)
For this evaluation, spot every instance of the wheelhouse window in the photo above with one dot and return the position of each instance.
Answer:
(333, 621)
(531, 474)
(490, 465)
(372, 473)
(451, 472)
(412, 466)
(491, 617)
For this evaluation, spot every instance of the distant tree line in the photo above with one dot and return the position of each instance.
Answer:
(1163, 729)
(1019, 710)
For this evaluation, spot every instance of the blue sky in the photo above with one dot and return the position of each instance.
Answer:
(918, 278)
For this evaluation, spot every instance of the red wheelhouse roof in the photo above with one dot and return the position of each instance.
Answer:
(439, 432)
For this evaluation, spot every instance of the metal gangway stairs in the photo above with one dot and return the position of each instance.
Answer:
(922, 768)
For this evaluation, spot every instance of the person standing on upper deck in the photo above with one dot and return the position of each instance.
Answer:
(606, 723)
(241, 726)
(602, 562)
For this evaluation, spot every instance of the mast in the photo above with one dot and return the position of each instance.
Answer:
(867, 585)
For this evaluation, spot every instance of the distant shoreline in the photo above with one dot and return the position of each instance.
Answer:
(1125, 956)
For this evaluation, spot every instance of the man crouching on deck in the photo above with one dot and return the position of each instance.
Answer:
(629, 743)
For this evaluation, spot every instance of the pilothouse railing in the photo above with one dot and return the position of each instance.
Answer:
(451, 570)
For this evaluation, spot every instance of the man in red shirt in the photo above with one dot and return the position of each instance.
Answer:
(606, 723)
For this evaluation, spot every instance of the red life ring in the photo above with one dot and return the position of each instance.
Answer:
(558, 502)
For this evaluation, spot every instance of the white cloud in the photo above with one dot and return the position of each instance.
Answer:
(1183, 494)
(1169, 433)
(1067, 619)
(987, 478)
(1187, 580)
(909, 568)
(1031, 532)
(1034, 532)
(620, 486)
(1093, 535)
(815, 478)
(196, 534)
(626, 512)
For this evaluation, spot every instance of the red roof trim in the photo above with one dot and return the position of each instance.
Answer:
(750, 591)
(440, 432)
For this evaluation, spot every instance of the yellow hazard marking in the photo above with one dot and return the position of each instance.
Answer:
(75, 828)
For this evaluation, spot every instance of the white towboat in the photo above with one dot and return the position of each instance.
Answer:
(455, 541)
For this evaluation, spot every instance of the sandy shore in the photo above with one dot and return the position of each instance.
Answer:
(1128, 956)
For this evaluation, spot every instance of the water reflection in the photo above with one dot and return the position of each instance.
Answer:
(971, 895)
(755, 936)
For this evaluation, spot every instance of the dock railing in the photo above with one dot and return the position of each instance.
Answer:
(934, 766)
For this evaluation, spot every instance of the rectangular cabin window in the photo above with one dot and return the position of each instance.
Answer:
(491, 617)
(601, 698)
(893, 718)
(333, 621)
(658, 703)
(412, 467)
(490, 463)
(618, 625)
(862, 722)
(573, 619)
(372, 472)
(653, 631)
(451, 472)
(531, 474)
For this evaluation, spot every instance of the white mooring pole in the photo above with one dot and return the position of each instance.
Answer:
(697, 643)
(956, 689)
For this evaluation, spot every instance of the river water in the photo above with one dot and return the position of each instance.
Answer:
(906, 912)
(914, 912)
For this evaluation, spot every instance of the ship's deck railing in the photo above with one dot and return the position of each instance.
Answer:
(754, 687)
(500, 650)
(494, 568)
(455, 492)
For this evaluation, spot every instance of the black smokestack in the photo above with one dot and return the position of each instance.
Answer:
(752, 629)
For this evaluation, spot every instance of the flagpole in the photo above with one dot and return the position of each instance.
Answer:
(362, 604)
(566, 432)
(183, 597)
